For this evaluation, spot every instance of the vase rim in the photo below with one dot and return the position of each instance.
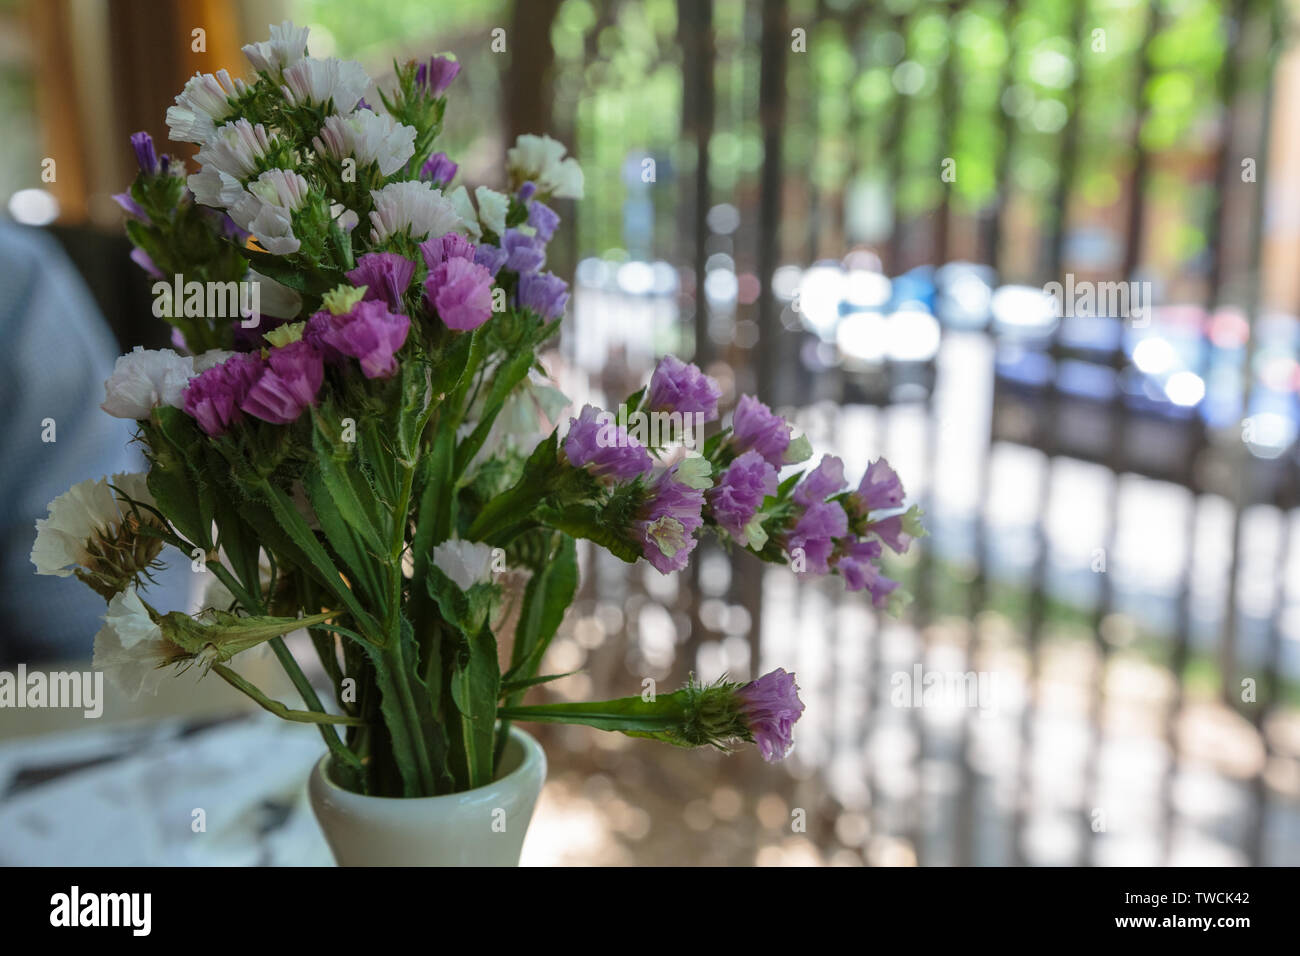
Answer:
(533, 756)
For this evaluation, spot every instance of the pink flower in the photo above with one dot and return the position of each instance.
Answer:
(770, 706)
(288, 384)
(461, 291)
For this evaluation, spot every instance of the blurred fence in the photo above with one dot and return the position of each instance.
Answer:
(873, 199)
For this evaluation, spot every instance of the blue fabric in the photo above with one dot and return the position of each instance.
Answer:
(55, 353)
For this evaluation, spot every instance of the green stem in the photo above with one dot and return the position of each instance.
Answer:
(277, 708)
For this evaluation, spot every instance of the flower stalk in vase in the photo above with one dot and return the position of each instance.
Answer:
(361, 453)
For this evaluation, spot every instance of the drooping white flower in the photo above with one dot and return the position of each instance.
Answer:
(492, 209)
(79, 519)
(460, 201)
(130, 648)
(201, 105)
(288, 45)
(466, 562)
(367, 137)
(412, 207)
(228, 159)
(144, 379)
(273, 298)
(267, 206)
(540, 159)
(312, 82)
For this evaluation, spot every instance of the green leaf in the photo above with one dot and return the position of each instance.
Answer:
(511, 687)
(548, 595)
(586, 521)
(475, 688)
(348, 490)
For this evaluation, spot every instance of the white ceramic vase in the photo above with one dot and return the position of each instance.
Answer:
(480, 827)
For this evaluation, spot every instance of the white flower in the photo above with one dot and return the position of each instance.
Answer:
(540, 159)
(229, 158)
(273, 298)
(460, 201)
(466, 562)
(492, 209)
(86, 512)
(412, 207)
(288, 45)
(144, 379)
(211, 359)
(204, 101)
(368, 137)
(313, 82)
(130, 647)
(266, 209)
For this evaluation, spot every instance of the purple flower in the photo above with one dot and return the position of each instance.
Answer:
(461, 291)
(288, 384)
(439, 170)
(858, 568)
(737, 497)
(754, 426)
(666, 522)
(544, 219)
(213, 398)
(815, 533)
(369, 333)
(771, 705)
(822, 482)
(544, 293)
(890, 530)
(599, 444)
(436, 75)
(526, 191)
(145, 156)
(141, 258)
(386, 276)
(677, 386)
(438, 250)
(880, 487)
(490, 257)
(523, 253)
(130, 206)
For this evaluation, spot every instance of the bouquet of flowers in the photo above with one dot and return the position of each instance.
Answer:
(336, 437)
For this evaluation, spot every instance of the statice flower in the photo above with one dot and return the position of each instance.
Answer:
(490, 257)
(367, 137)
(438, 170)
(544, 220)
(438, 250)
(860, 572)
(369, 333)
(770, 706)
(822, 482)
(227, 160)
(735, 500)
(213, 397)
(540, 160)
(267, 207)
(288, 384)
(130, 648)
(414, 208)
(145, 156)
(524, 253)
(288, 45)
(436, 75)
(492, 208)
(754, 426)
(599, 444)
(320, 83)
(678, 386)
(145, 262)
(386, 276)
(544, 293)
(879, 489)
(144, 379)
(461, 291)
(204, 102)
(814, 534)
(130, 206)
(91, 529)
(900, 530)
(666, 522)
